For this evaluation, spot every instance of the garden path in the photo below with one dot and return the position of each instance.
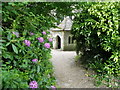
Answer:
(67, 73)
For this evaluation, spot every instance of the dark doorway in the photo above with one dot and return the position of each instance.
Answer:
(58, 42)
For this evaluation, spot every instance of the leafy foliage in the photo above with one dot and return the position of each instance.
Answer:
(97, 34)
(20, 47)
(96, 29)
(14, 79)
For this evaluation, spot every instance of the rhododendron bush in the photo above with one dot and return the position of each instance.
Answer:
(27, 54)
(26, 48)
(26, 45)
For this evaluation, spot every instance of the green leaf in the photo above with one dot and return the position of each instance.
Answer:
(98, 33)
(38, 69)
(8, 44)
(15, 49)
(9, 36)
(2, 41)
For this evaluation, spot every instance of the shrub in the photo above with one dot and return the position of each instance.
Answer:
(26, 45)
(14, 79)
(24, 58)
(96, 30)
(19, 54)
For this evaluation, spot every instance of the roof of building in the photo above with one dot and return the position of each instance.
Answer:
(66, 25)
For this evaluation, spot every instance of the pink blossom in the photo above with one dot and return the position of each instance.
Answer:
(31, 33)
(50, 39)
(41, 39)
(53, 87)
(44, 33)
(27, 42)
(34, 60)
(47, 45)
(16, 33)
(33, 84)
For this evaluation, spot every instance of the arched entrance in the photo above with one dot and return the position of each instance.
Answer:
(58, 39)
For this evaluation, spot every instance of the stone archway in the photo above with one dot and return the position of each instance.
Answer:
(58, 44)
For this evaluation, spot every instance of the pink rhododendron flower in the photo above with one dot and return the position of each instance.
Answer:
(33, 84)
(27, 42)
(16, 33)
(44, 33)
(47, 45)
(40, 39)
(50, 39)
(34, 60)
(53, 87)
(31, 33)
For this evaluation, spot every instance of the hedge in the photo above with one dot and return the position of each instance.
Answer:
(97, 34)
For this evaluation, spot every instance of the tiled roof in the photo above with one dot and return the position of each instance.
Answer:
(66, 24)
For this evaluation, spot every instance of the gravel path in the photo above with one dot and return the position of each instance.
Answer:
(67, 73)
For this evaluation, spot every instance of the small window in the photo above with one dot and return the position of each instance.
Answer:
(69, 39)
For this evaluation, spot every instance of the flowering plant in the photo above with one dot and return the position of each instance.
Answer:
(22, 49)
(29, 56)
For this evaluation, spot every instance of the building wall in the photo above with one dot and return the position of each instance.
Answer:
(68, 46)
(64, 35)
(55, 43)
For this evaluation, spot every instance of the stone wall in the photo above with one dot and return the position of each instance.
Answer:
(64, 35)
(54, 36)
(68, 46)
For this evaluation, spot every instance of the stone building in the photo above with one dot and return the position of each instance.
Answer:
(62, 38)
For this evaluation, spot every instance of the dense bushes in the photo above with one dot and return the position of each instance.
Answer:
(30, 56)
(14, 79)
(97, 34)
(26, 48)
(26, 43)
